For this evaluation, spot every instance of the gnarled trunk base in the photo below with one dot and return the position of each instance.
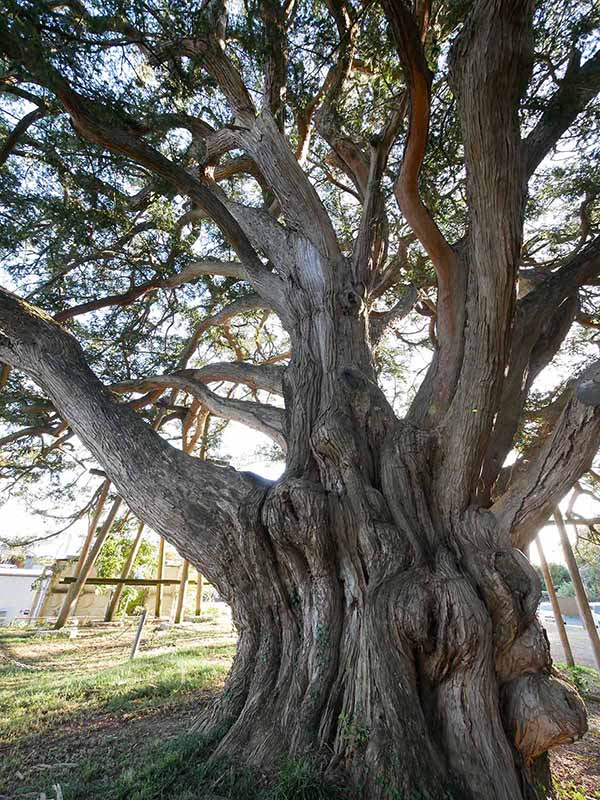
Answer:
(416, 676)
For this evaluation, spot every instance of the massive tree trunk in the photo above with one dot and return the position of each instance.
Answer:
(380, 630)
(393, 638)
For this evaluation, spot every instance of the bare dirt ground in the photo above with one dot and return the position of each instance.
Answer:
(576, 767)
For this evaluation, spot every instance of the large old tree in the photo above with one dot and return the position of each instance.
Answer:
(286, 183)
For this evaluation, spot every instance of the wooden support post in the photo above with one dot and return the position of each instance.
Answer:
(138, 634)
(582, 601)
(118, 590)
(99, 507)
(159, 575)
(185, 570)
(76, 588)
(199, 588)
(125, 581)
(560, 624)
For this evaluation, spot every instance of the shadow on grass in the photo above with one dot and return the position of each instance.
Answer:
(52, 721)
(32, 701)
(181, 769)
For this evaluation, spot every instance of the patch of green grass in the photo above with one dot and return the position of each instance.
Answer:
(181, 769)
(31, 701)
(298, 780)
(569, 791)
(584, 679)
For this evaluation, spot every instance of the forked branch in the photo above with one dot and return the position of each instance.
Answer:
(407, 38)
(266, 419)
(581, 83)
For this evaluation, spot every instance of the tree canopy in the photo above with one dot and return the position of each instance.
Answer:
(151, 280)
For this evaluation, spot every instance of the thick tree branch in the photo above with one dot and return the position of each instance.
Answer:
(274, 25)
(542, 320)
(349, 156)
(95, 123)
(370, 248)
(265, 234)
(407, 38)
(18, 131)
(566, 454)
(34, 430)
(263, 377)
(580, 84)
(381, 320)
(191, 273)
(490, 64)
(195, 496)
(264, 418)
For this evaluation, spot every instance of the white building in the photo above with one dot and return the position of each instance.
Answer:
(17, 592)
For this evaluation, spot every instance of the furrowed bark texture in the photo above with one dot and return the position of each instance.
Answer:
(395, 638)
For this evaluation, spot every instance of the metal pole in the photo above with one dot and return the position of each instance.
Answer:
(138, 635)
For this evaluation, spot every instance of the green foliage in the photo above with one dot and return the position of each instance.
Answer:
(560, 578)
(585, 679)
(578, 677)
(566, 589)
(44, 698)
(570, 791)
(587, 555)
(82, 223)
(111, 561)
(353, 731)
(182, 769)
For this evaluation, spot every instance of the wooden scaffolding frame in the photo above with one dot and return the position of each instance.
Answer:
(196, 425)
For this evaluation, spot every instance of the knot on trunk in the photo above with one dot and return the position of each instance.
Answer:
(529, 652)
(296, 512)
(368, 405)
(351, 302)
(415, 610)
(459, 626)
(510, 586)
(523, 582)
(542, 711)
(333, 439)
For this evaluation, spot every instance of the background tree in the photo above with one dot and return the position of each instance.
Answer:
(317, 170)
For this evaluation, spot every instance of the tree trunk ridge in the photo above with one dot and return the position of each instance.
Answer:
(381, 627)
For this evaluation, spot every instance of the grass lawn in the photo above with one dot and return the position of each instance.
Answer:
(93, 723)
